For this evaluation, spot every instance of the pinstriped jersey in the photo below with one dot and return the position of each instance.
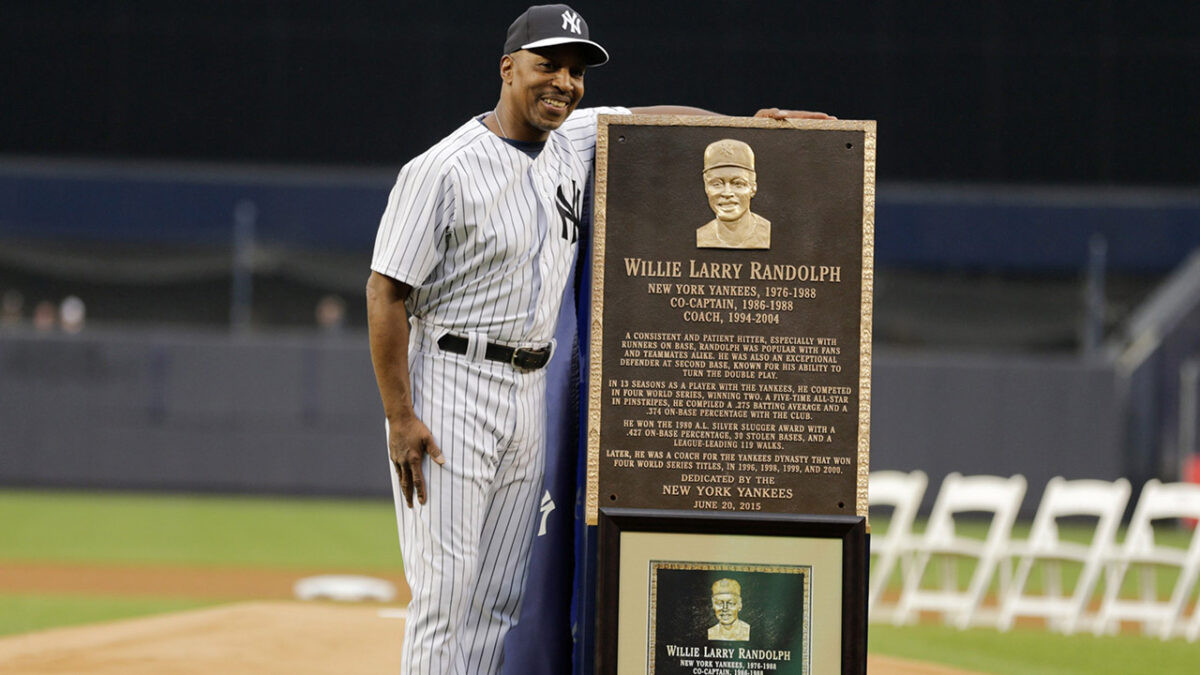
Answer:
(485, 234)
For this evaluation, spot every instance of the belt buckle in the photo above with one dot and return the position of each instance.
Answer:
(528, 359)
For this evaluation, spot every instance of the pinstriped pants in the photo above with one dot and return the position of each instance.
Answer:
(466, 551)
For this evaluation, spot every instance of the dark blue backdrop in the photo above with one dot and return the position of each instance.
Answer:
(1013, 228)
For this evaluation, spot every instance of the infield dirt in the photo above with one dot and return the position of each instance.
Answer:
(218, 583)
(269, 635)
(251, 639)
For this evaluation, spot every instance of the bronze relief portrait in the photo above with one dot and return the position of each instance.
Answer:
(727, 603)
(730, 183)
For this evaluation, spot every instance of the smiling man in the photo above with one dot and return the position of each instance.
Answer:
(476, 246)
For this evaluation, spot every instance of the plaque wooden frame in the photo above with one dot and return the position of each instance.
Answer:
(834, 546)
(857, 501)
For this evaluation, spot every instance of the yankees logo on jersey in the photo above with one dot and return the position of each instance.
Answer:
(469, 250)
(571, 211)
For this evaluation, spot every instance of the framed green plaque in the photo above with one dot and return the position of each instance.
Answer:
(681, 593)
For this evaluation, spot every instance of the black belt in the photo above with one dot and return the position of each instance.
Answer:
(525, 359)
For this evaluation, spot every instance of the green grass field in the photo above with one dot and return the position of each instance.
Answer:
(198, 530)
(24, 612)
(188, 530)
(1026, 651)
(359, 535)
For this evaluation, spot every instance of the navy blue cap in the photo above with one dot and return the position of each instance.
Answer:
(548, 25)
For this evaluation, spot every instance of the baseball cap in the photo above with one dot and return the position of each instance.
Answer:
(727, 586)
(728, 152)
(548, 25)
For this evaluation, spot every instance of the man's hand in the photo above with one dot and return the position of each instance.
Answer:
(772, 113)
(408, 443)
(778, 114)
(409, 439)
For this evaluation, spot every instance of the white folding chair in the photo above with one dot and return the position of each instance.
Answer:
(1001, 497)
(1140, 551)
(1192, 632)
(902, 492)
(1099, 499)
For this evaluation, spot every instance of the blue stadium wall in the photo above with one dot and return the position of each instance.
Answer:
(926, 226)
(300, 414)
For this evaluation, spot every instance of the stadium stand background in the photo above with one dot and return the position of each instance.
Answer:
(1037, 187)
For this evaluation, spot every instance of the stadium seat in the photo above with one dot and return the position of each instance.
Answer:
(999, 497)
(1097, 499)
(1159, 501)
(902, 492)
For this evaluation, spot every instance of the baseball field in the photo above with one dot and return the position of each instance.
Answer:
(131, 583)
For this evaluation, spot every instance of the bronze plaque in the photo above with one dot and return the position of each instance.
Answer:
(731, 315)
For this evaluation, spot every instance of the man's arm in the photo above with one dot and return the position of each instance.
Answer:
(409, 440)
(773, 113)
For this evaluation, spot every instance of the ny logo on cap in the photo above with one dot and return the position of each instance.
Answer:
(571, 20)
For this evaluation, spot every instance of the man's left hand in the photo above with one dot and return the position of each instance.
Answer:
(780, 114)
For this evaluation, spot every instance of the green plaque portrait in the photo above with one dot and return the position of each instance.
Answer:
(753, 618)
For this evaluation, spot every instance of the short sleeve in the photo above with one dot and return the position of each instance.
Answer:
(419, 209)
